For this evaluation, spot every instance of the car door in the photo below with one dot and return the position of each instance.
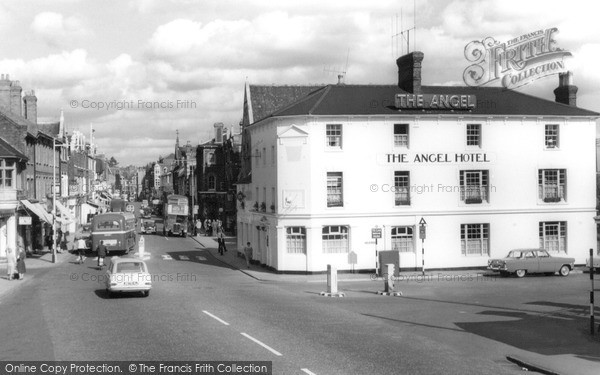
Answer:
(546, 262)
(530, 261)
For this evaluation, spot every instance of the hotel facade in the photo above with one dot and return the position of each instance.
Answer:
(486, 170)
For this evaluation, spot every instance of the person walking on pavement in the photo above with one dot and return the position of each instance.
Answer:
(11, 263)
(198, 227)
(101, 254)
(81, 249)
(248, 254)
(21, 269)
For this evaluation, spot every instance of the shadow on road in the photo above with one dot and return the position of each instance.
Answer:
(565, 331)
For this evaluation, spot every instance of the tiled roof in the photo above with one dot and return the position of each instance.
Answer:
(267, 99)
(52, 128)
(8, 151)
(379, 100)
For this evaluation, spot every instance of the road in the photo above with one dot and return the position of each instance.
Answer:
(201, 309)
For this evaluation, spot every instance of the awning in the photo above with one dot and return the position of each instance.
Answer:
(66, 214)
(38, 210)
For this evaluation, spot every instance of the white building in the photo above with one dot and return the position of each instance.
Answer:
(487, 169)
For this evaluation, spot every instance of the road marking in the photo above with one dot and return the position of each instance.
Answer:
(165, 237)
(307, 371)
(261, 344)
(201, 258)
(215, 317)
(166, 257)
(183, 257)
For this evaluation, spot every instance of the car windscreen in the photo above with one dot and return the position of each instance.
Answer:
(514, 254)
(107, 225)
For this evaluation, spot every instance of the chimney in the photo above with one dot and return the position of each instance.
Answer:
(30, 102)
(409, 72)
(218, 132)
(566, 92)
(4, 93)
(15, 97)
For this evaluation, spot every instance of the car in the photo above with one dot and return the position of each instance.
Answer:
(148, 226)
(128, 275)
(524, 261)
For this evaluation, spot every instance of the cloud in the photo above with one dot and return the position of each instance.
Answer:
(56, 30)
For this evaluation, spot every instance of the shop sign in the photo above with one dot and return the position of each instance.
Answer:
(24, 220)
(473, 157)
(435, 101)
(514, 63)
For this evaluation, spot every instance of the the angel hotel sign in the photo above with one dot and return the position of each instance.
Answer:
(516, 62)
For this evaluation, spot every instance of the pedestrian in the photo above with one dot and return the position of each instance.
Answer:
(223, 241)
(101, 254)
(21, 269)
(198, 227)
(248, 254)
(63, 245)
(81, 249)
(11, 263)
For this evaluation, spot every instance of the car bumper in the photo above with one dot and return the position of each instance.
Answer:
(128, 288)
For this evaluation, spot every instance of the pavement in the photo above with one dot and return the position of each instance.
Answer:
(546, 364)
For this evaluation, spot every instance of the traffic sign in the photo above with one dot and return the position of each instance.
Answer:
(375, 232)
(422, 234)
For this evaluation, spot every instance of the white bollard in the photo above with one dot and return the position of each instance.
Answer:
(389, 278)
(332, 286)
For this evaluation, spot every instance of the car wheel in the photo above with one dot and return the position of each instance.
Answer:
(109, 293)
(564, 270)
(520, 273)
(146, 293)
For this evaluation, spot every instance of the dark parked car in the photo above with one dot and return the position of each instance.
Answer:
(524, 261)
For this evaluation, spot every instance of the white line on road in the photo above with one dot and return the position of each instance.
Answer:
(215, 317)
(183, 257)
(201, 258)
(261, 344)
(307, 371)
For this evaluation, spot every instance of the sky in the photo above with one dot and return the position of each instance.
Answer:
(138, 71)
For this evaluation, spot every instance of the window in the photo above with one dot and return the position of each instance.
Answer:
(334, 189)
(296, 240)
(335, 239)
(474, 239)
(551, 135)
(273, 199)
(401, 135)
(7, 173)
(473, 134)
(474, 186)
(212, 183)
(264, 156)
(552, 185)
(402, 188)
(334, 135)
(402, 239)
(553, 236)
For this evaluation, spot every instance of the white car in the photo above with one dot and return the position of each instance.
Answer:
(128, 275)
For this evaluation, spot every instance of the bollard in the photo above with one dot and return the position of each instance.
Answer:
(331, 279)
(389, 278)
(141, 247)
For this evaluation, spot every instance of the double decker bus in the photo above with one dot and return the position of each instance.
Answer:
(175, 215)
(116, 229)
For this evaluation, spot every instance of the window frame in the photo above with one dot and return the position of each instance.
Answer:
(5, 170)
(401, 139)
(333, 140)
(295, 235)
(551, 136)
(403, 242)
(473, 136)
(467, 230)
(552, 179)
(330, 248)
(331, 194)
(482, 190)
(561, 236)
(401, 193)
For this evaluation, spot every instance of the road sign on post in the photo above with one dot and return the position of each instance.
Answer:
(375, 234)
(422, 236)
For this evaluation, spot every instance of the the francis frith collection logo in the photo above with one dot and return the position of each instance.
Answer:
(516, 62)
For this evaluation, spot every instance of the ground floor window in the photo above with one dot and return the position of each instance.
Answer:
(335, 239)
(296, 240)
(402, 239)
(553, 236)
(475, 239)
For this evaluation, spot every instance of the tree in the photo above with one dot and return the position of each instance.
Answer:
(112, 162)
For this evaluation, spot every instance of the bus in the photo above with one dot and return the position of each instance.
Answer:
(116, 229)
(175, 214)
